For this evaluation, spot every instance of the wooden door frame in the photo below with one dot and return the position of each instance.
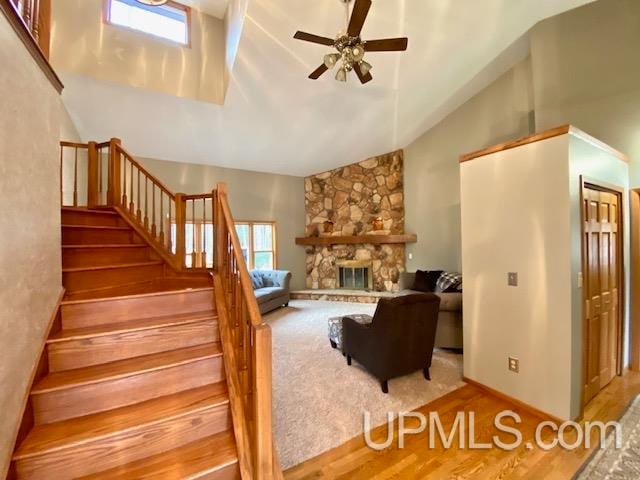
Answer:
(586, 182)
(634, 313)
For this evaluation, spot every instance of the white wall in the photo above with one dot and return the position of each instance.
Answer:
(521, 213)
(83, 43)
(515, 218)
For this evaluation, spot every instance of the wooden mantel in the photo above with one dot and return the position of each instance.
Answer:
(357, 239)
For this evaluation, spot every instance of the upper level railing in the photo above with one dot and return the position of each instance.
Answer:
(36, 16)
(192, 233)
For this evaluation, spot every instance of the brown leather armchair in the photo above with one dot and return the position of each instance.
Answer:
(398, 341)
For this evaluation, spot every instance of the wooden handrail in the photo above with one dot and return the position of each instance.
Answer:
(130, 158)
(245, 280)
(249, 339)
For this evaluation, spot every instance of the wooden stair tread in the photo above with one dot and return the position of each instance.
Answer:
(125, 368)
(115, 245)
(95, 227)
(51, 437)
(137, 290)
(193, 460)
(112, 266)
(131, 325)
(91, 211)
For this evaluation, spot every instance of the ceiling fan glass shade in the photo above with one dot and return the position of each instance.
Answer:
(365, 67)
(341, 76)
(331, 59)
(357, 53)
(153, 3)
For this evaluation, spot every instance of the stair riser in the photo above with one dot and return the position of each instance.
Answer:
(83, 400)
(88, 314)
(85, 352)
(90, 218)
(94, 279)
(105, 453)
(85, 257)
(86, 236)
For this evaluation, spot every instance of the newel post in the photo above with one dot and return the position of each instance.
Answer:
(114, 191)
(220, 230)
(181, 222)
(93, 176)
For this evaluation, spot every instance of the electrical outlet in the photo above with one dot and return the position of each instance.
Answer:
(514, 365)
(512, 279)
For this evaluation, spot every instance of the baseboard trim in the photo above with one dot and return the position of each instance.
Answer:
(525, 406)
(38, 371)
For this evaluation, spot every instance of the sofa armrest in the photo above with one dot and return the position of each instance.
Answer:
(279, 278)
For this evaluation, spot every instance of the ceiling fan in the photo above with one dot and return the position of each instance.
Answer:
(351, 48)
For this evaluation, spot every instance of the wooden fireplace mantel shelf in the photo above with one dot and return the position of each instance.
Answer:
(357, 239)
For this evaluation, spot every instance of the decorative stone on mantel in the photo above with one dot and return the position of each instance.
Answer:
(357, 213)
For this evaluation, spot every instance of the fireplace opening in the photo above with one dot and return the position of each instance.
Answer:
(354, 275)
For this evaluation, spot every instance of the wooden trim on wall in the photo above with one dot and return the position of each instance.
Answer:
(554, 132)
(634, 313)
(30, 43)
(39, 370)
(525, 406)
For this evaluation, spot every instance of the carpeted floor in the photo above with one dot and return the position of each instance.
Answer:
(318, 400)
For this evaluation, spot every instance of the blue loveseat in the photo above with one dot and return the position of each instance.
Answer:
(271, 288)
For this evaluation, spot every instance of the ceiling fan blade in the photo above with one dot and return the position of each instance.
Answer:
(387, 45)
(309, 37)
(358, 17)
(318, 72)
(363, 78)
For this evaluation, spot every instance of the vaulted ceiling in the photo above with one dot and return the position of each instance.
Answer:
(276, 120)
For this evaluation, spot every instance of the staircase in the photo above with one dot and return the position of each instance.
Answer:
(150, 371)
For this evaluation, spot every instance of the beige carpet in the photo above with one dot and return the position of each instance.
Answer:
(318, 400)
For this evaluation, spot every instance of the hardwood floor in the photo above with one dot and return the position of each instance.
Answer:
(354, 460)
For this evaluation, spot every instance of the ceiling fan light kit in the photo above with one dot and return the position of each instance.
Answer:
(351, 48)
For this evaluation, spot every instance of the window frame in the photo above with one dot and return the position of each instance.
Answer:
(106, 18)
(252, 251)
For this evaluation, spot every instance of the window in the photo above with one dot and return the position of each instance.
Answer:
(198, 243)
(258, 243)
(169, 21)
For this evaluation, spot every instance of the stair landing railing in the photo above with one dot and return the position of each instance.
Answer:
(179, 226)
(192, 233)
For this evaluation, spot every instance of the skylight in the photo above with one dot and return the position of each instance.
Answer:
(169, 21)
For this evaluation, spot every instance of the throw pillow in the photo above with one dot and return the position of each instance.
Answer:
(449, 283)
(256, 280)
(426, 280)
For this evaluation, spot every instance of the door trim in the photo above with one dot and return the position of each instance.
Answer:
(586, 182)
(634, 313)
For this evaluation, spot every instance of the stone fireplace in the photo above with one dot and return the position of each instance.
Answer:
(356, 203)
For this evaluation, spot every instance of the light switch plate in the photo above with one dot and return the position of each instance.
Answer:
(512, 279)
(514, 365)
